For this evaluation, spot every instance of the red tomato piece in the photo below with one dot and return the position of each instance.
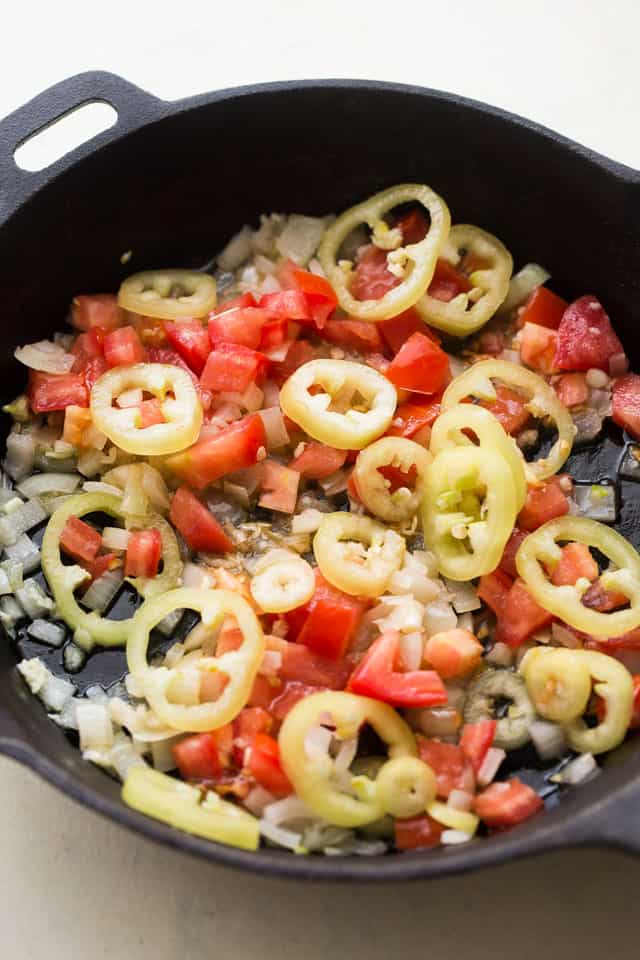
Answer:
(165, 354)
(417, 833)
(412, 417)
(303, 665)
(191, 341)
(504, 804)
(263, 691)
(273, 334)
(371, 277)
(300, 352)
(232, 368)
(248, 723)
(286, 305)
(327, 623)
(56, 391)
(292, 692)
(279, 487)
(576, 562)
(198, 526)
(420, 366)
(493, 590)
(318, 461)
(413, 225)
(240, 325)
(122, 347)
(80, 541)
(203, 755)
(538, 347)
(635, 716)
(626, 404)
(597, 598)
(450, 764)
(226, 452)
(572, 389)
(448, 282)
(586, 339)
(475, 741)
(376, 676)
(543, 503)
(521, 616)
(88, 346)
(509, 408)
(150, 413)
(320, 295)
(102, 563)
(93, 370)
(353, 335)
(97, 310)
(264, 765)
(397, 330)
(144, 552)
(543, 308)
(508, 563)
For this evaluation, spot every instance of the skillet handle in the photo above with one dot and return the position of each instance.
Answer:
(135, 107)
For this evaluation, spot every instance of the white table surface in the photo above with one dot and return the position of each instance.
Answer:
(73, 885)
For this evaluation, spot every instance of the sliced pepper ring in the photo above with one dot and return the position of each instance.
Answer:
(469, 510)
(90, 628)
(354, 800)
(420, 257)
(558, 682)
(168, 294)
(364, 564)
(543, 402)
(240, 666)
(540, 549)
(182, 411)
(374, 488)
(447, 432)
(492, 280)
(344, 427)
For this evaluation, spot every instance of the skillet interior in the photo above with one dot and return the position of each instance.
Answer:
(173, 192)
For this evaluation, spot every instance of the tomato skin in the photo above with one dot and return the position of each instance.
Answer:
(100, 565)
(264, 765)
(80, 541)
(353, 334)
(375, 676)
(197, 525)
(191, 340)
(232, 449)
(413, 225)
(520, 617)
(122, 347)
(448, 282)
(232, 368)
(575, 562)
(372, 278)
(420, 366)
(249, 722)
(417, 833)
(318, 461)
(303, 665)
(286, 305)
(144, 551)
(242, 325)
(319, 293)
(397, 330)
(273, 334)
(572, 389)
(97, 310)
(202, 755)
(279, 487)
(543, 503)
(449, 763)
(327, 623)
(507, 803)
(475, 741)
(56, 391)
(87, 346)
(150, 413)
(508, 562)
(626, 404)
(544, 308)
(414, 417)
(493, 589)
(300, 352)
(538, 347)
(509, 408)
(586, 339)
(291, 692)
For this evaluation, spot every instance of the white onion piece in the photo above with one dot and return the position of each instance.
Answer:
(115, 538)
(124, 756)
(522, 285)
(500, 655)
(130, 398)
(451, 837)
(102, 591)
(564, 637)
(195, 576)
(548, 738)
(40, 483)
(439, 616)
(33, 600)
(271, 663)
(460, 800)
(346, 754)
(21, 454)
(308, 521)
(45, 356)
(280, 836)
(490, 766)
(279, 353)
(236, 251)
(465, 598)
(411, 647)
(47, 632)
(317, 742)
(300, 238)
(94, 726)
(257, 800)
(595, 501)
(286, 810)
(162, 753)
(97, 486)
(274, 426)
(576, 771)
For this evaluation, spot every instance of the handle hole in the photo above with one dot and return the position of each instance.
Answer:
(66, 133)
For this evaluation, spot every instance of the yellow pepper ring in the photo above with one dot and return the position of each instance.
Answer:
(283, 585)
(168, 294)
(612, 682)
(364, 564)
(406, 786)
(540, 550)
(182, 412)
(345, 427)
(455, 317)
(373, 488)
(469, 510)
(313, 775)
(240, 666)
(558, 682)
(543, 402)
(420, 257)
(447, 432)
(90, 628)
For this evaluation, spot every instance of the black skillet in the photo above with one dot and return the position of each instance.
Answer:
(171, 182)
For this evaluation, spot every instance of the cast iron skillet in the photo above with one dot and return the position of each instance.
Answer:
(172, 181)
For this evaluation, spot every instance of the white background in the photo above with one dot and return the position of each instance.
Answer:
(73, 885)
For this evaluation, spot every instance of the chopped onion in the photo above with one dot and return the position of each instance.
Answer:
(439, 721)
(286, 810)
(74, 657)
(33, 600)
(196, 576)
(5, 585)
(24, 551)
(490, 766)
(577, 771)
(97, 486)
(595, 501)
(10, 613)
(271, 663)
(317, 742)
(597, 379)
(450, 837)
(588, 424)
(336, 483)
(115, 538)
(168, 624)
(522, 285)
(300, 238)
(308, 521)
(500, 655)
(618, 364)
(97, 694)
(130, 398)
(411, 647)
(15, 524)
(53, 691)
(21, 453)
(91, 462)
(66, 718)
(564, 637)
(465, 598)
(236, 251)
(258, 800)
(124, 756)
(280, 836)
(102, 591)
(465, 622)
(460, 800)
(47, 632)
(548, 738)
(13, 571)
(162, 756)
(399, 613)
(413, 578)
(346, 754)
(439, 616)
(94, 726)
(45, 356)
(274, 427)
(40, 483)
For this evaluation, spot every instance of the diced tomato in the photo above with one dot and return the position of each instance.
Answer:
(198, 526)
(450, 764)
(453, 653)
(575, 562)
(102, 563)
(300, 352)
(302, 664)
(491, 342)
(504, 804)
(509, 408)
(273, 334)
(56, 391)
(168, 355)
(226, 452)
(264, 765)
(412, 417)
(635, 716)
(144, 551)
(150, 413)
(203, 755)
(397, 330)
(80, 541)
(543, 503)
(353, 334)
(493, 590)
(586, 339)
(87, 346)
(597, 598)
(93, 370)
(229, 638)
(320, 295)
(318, 461)
(232, 367)
(263, 691)
(417, 833)
(371, 276)
(376, 677)
(521, 616)
(237, 303)
(420, 366)
(279, 487)
(572, 389)
(508, 563)
(448, 282)
(249, 722)
(538, 347)
(475, 741)
(122, 347)
(191, 340)
(76, 421)
(327, 623)
(242, 325)
(290, 693)
(626, 404)
(96, 310)
(286, 305)
(413, 225)
(543, 308)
